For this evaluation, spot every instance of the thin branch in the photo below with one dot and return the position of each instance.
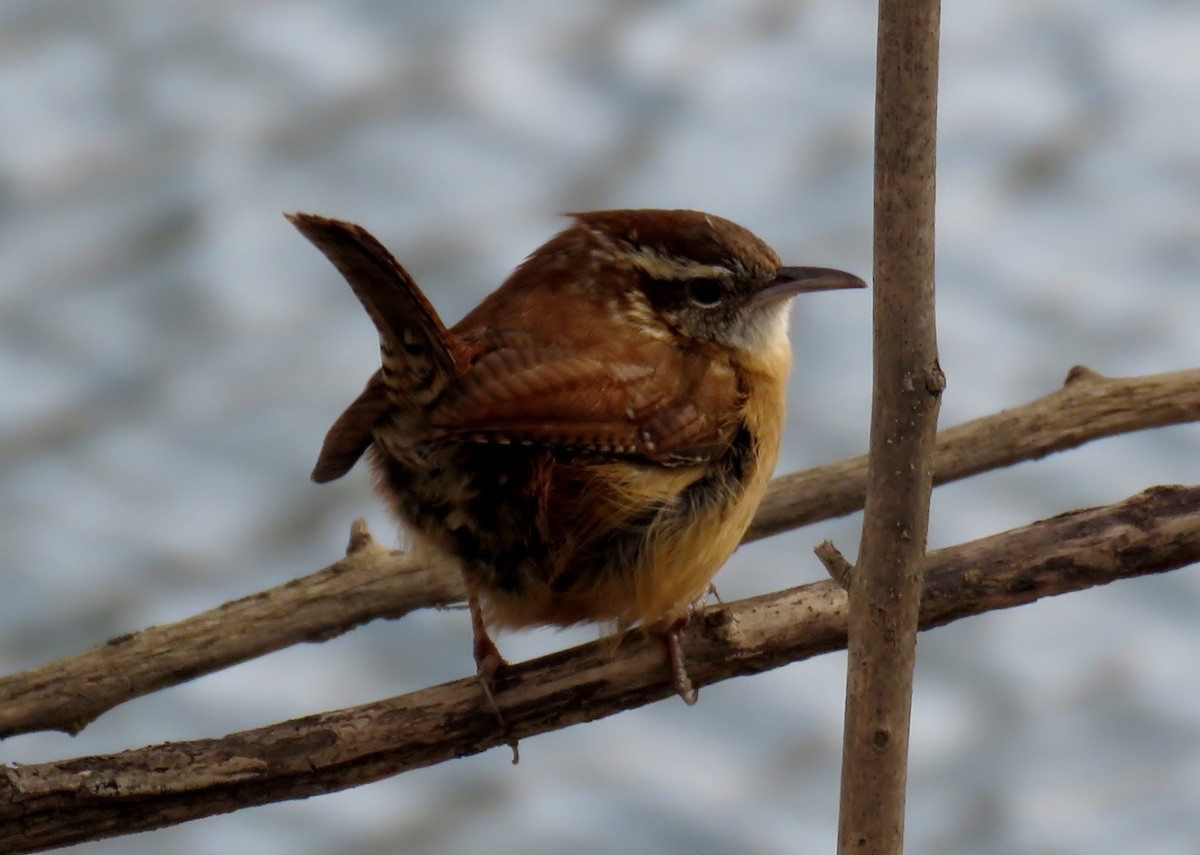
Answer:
(55, 804)
(885, 587)
(836, 564)
(1087, 407)
(373, 583)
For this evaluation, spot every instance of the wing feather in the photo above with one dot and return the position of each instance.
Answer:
(352, 434)
(552, 396)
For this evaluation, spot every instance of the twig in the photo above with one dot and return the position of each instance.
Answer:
(885, 588)
(55, 804)
(372, 583)
(836, 565)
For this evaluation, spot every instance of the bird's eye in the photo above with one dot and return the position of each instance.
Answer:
(705, 293)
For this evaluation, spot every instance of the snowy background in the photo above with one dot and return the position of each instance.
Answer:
(171, 352)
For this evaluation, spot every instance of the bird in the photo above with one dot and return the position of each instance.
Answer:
(591, 442)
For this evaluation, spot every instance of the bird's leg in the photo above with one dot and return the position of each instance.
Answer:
(487, 656)
(679, 674)
(487, 662)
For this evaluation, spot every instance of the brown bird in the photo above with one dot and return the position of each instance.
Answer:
(591, 442)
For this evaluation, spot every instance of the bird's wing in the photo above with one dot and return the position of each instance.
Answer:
(352, 434)
(668, 406)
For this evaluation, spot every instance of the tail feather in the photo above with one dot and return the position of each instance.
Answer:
(416, 356)
(414, 346)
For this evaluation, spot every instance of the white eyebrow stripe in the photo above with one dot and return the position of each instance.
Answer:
(669, 268)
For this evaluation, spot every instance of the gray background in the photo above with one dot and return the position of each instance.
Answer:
(171, 353)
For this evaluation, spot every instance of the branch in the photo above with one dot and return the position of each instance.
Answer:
(55, 804)
(1087, 407)
(373, 583)
(885, 587)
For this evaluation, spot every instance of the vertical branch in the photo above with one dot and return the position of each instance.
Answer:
(885, 590)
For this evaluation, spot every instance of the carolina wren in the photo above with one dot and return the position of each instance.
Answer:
(590, 443)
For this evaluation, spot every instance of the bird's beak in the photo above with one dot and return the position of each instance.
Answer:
(790, 281)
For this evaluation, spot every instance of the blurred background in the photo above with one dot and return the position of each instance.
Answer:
(171, 353)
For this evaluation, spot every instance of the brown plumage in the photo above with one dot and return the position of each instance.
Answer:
(590, 443)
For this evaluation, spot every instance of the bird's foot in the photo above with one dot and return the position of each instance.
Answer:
(487, 662)
(679, 674)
